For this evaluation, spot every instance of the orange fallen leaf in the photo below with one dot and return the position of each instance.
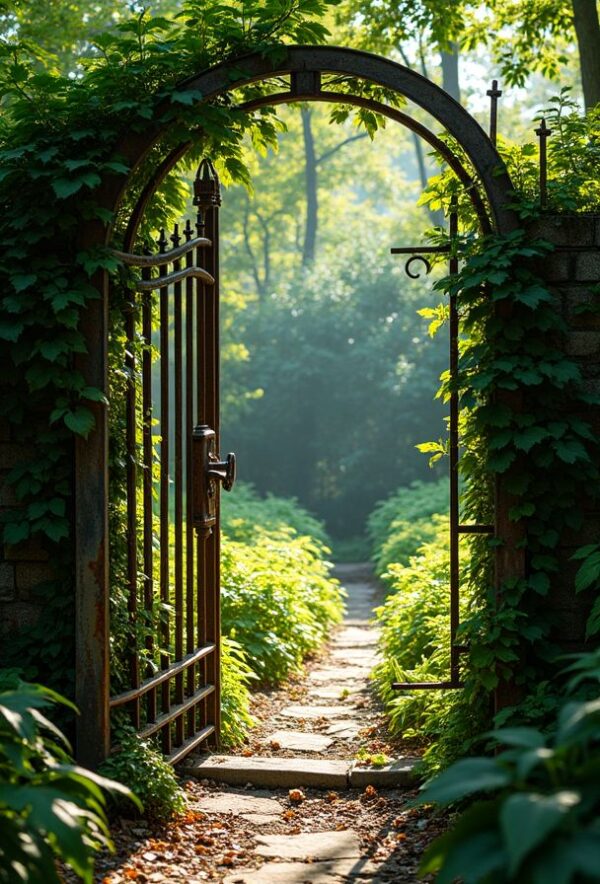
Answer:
(297, 796)
(370, 791)
(289, 814)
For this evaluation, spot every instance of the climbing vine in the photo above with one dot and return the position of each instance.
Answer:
(57, 137)
(525, 421)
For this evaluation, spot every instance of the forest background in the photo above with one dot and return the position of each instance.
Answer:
(329, 374)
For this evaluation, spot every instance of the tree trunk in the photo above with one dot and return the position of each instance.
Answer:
(450, 79)
(310, 186)
(587, 29)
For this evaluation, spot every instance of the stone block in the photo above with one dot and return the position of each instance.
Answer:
(583, 343)
(17, 617)
(31, 574)
(566, 230)
(334, 871)
(8, 497)
(28, 551)
(299, 741)
(397, 775)
(12, 454)
(310, 845)
(587, 267)
(555, 267)
(271, 773)
(7, 582)
(574, 299)
(239, 804)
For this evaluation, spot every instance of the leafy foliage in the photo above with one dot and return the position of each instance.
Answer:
(57, 141)
(141, 767)
(236, 677)
(243, 511)
(278, 600)
(49, 808)
(536, 817)
(401, 523)
(415, 627)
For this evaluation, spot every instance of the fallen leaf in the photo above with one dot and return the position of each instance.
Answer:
(370, 791)
(297, 796)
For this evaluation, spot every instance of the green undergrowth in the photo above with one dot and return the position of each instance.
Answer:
(402, 522)
(278, 599)
(415, 625)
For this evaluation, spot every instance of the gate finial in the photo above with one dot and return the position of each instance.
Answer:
(207, 190)
(494, 94)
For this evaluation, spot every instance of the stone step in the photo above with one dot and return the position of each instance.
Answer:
(290, 773)
(312, 713)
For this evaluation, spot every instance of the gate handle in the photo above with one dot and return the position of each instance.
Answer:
(224, 471)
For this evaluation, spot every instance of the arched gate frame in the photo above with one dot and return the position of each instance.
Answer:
(490, 194)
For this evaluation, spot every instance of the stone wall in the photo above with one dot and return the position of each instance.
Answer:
(572, 271)
(22, 567)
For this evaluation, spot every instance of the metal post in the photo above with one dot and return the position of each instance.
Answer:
(543, 134)
(91, 541)
(453, 452)
(494, 94)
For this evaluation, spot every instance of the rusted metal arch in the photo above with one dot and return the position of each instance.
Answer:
(304, 64)
(404, 119)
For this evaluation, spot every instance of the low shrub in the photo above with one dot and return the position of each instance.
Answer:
(538, 815)
(245, 510)
(277, 599)
(138, 765)
(415, 645)
(50, 809)
(401, 523)
(236, 677)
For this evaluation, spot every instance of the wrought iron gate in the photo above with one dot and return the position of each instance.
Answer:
(172, 686)
(417, 253)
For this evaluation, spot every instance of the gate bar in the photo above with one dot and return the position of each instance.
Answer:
(455, 527)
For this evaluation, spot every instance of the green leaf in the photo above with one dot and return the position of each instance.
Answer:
(189, 96)
(570, 450)
(15, 532)
(588, 573)
(80, 421)
(527, 438)
(10, 329)
(525, 737)
(66, 187)
(463, 779)
(22, 281)
(500, 461)
(528, 819)
(540, 583)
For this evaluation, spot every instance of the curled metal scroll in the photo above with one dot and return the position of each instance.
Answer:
(416, 258)
(134, 260)
(161, 282)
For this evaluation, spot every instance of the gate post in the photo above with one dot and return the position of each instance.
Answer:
(91, 546)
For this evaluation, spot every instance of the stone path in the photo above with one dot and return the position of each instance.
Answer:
(306, 838)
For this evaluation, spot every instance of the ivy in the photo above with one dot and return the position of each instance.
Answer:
(524, 407)
(57, 137)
